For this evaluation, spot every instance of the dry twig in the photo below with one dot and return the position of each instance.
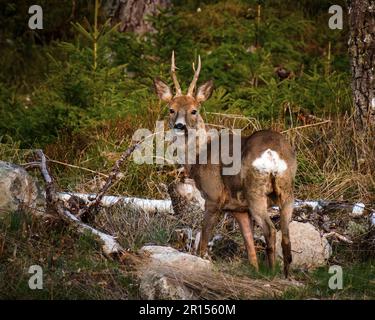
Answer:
(92, 208)
(307, 126)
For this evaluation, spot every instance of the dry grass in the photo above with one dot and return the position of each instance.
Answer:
(335, 162)
(216, 285)
(134, 228)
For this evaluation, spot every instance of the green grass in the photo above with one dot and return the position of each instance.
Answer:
(358, 279)
(358, 283)
(73, 265)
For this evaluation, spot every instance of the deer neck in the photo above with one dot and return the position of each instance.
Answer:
(200, 140)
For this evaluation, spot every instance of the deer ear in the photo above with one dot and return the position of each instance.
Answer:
(205, 91)
(162, 90)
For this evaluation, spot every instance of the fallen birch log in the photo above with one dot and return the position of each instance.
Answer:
(109, 246)
(354, 210)
(153, 205)
(148, 205)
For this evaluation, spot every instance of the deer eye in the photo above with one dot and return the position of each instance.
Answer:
(194, 112)
(171, 110)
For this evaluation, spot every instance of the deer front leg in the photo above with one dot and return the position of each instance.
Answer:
(245, 224)
(210, 219)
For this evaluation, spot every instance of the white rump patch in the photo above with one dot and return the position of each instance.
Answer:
(270, 162)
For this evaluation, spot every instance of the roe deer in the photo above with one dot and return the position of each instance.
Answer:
(268, 167)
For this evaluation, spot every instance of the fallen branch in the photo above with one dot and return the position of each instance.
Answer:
(353, 209)
(92, 208)
(110, 245)
(338, 236)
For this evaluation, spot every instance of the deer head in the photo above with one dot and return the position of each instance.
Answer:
(184, 109)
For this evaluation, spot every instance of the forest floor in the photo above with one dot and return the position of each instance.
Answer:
(75, 268)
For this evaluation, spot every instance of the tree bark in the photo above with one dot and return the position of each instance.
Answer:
(132, 14)
(362, 54)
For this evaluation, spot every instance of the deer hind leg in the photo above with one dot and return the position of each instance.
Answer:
(258, 208)
(286, 211)
(245, 224)
(210, 219)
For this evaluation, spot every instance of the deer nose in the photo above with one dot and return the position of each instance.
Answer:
(179, 126)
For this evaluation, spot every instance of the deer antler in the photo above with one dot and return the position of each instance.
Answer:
(195, 78)
(174, 77)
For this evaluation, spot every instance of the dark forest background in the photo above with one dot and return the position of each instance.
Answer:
(83, 85)
(53, 84)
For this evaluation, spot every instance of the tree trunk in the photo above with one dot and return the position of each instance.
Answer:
(132, 14)
(362, 54)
